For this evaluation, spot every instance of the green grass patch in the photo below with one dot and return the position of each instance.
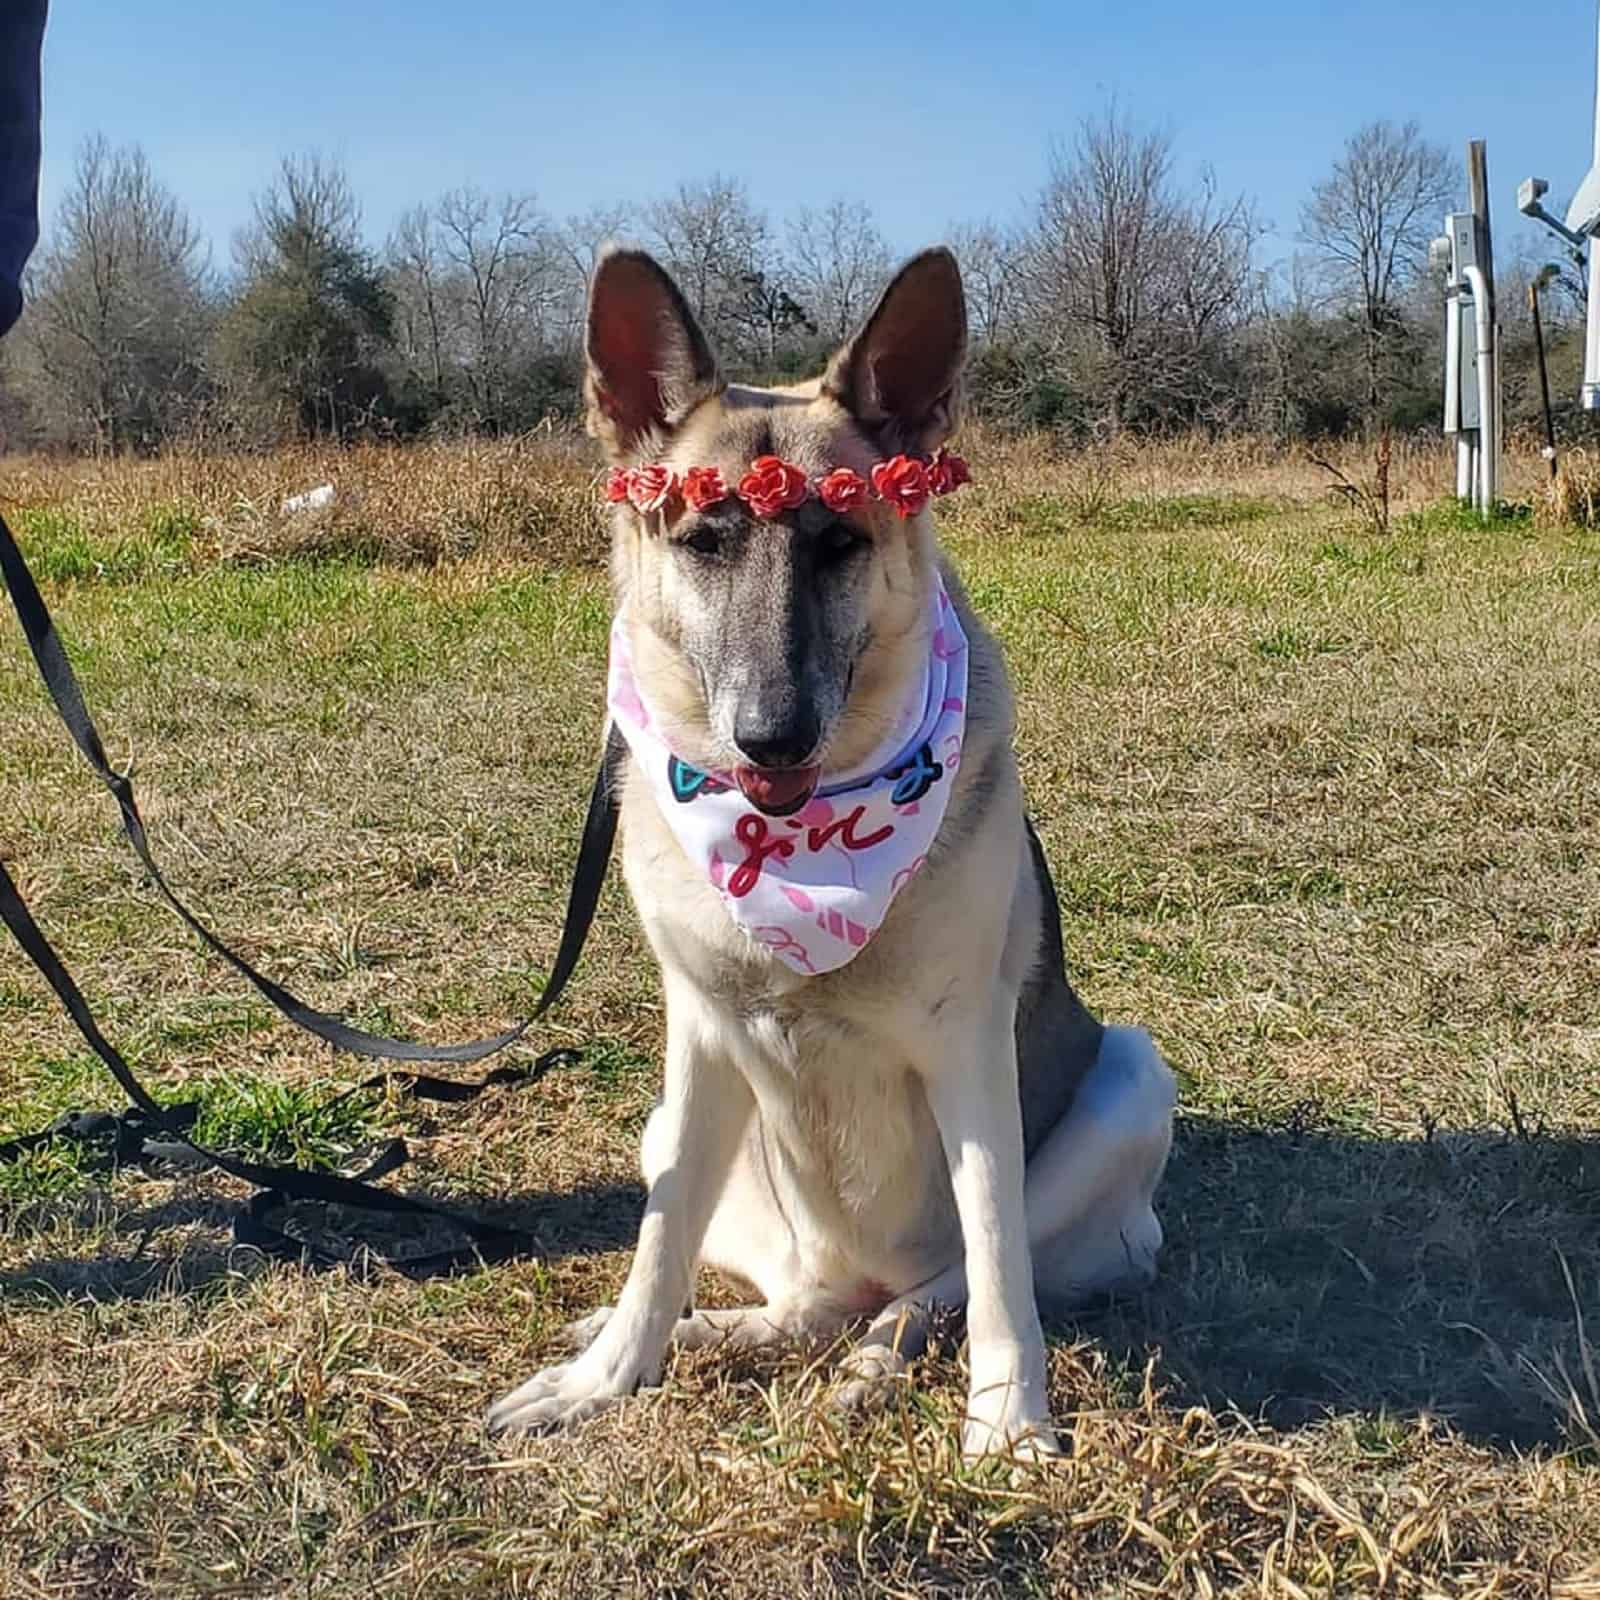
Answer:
(1459, 516)
(1182, 513)
(1286, 642)
(1045, 515)
(273, 1121)
(52, 1171)
(61, 548)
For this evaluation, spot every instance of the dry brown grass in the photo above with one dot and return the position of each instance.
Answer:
(524, 496)
(533, 495)
(1573, 499)
(1324, 812)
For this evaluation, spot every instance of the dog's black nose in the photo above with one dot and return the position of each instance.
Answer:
(787, 745)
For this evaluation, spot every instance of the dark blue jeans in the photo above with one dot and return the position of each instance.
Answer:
(21, 37)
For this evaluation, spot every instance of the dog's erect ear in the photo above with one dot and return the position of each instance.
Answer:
(900, 376)
(649, 364)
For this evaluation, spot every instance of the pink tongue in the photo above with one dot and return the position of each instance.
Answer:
(777, 789)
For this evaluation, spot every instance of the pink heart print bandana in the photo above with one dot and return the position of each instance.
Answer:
(814, 887)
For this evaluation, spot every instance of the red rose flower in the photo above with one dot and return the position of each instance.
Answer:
(704, 486)
(617, 485)
(842, 490)
(650, 487)
(903, 483)
(946, 473)
(771, 486)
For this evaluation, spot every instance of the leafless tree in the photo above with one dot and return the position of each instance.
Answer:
(419, 280)
(118, 307)
(719, 248)
(504, 256)
(762, 307)
(1131, 283)
(480, 288)
(1304, 377)
(580, 240)
(1370, 220)
(989, 265)
(838, 264)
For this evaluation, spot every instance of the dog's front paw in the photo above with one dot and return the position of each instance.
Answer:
(1008, 1417)
(567, 1394)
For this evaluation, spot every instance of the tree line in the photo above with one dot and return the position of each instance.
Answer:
(1124, 299)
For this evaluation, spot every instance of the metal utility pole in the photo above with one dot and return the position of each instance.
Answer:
(1472, 341)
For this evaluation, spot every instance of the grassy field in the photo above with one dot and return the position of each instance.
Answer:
(1324, 813)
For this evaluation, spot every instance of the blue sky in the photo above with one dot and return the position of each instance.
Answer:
(932, 113)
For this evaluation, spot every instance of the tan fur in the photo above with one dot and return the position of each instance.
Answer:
(938, 1120)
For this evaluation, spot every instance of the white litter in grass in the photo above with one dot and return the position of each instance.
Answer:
(317, 499)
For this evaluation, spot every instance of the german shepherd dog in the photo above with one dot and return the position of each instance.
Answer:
(939, 1122)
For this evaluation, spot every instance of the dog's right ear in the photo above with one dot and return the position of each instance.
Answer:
(649, 364)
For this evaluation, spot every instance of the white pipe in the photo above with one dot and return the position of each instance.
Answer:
(1591, 335)
(1597, 100)
(1488, 485)
(1452, 362)
(1452, 393)
(1500, 420)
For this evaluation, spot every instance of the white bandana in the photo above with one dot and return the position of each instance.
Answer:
(816, 886)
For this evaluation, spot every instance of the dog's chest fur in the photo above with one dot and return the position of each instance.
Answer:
(845, 1117)
(845, 1128)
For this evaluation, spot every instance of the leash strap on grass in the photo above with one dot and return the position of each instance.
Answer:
(599, 831)
(490, 1242)
(133, 1136)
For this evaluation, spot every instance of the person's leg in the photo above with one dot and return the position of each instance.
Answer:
(21, 39)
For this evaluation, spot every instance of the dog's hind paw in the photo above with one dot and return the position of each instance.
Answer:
(867, 1376)
(578, 1336)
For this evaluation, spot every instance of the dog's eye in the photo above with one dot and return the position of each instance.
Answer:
(704, 542)
(836, 542)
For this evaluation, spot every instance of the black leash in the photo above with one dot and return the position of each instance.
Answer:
(131, 1135)
(62, 683)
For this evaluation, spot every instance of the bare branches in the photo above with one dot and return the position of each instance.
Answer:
(711, 238)
(1369, 222)
(839, 265)
(1128, 280)
(1128, 297)
(990, 259)
(1369, 500)
(117, 318)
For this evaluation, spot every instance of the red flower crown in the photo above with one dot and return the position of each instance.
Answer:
(773, 486)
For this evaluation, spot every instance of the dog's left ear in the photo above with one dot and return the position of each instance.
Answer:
(649, 364)
(900, 376)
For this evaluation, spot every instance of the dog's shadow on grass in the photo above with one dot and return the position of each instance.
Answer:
(182, 1243)
(1307, 1273)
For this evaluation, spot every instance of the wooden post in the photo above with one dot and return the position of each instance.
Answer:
(1544, 374)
